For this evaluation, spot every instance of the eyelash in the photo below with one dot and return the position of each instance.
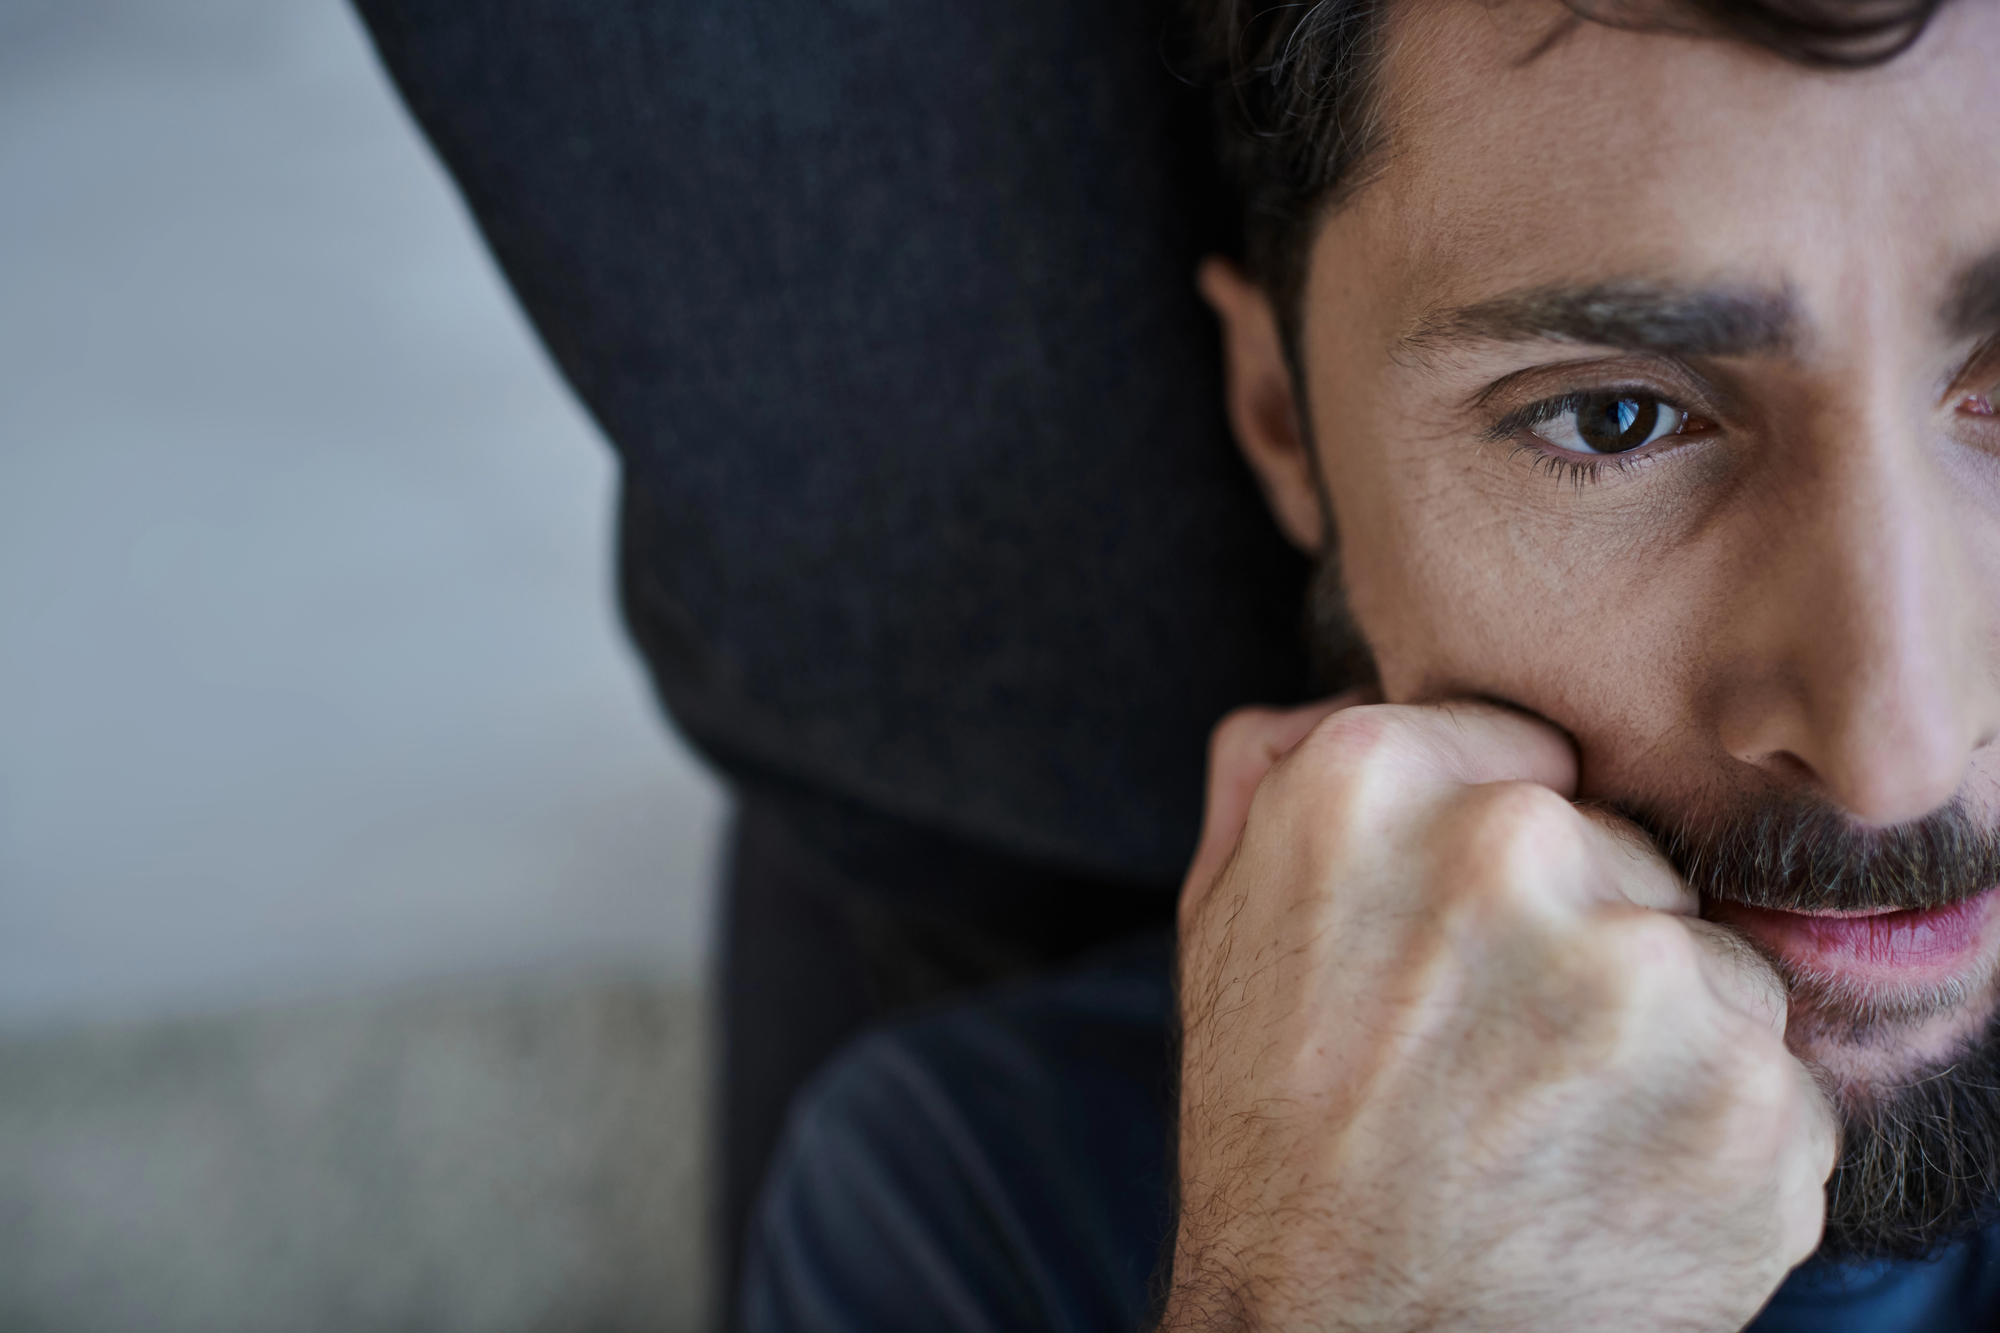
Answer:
(1578, 470)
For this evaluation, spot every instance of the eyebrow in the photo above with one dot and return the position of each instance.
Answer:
(1636, 316)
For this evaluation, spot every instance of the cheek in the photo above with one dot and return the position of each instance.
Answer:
(1449, 589)
(1459, 594)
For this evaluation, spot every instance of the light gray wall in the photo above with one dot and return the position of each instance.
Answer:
(322, 763)
(308, 670)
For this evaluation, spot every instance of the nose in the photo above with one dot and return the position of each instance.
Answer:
(1863, 635)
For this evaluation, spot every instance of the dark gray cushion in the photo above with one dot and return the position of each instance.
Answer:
(887, 307)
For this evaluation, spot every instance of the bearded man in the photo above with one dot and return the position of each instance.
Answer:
(1623, 956)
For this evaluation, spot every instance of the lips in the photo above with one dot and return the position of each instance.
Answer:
(1885, 948)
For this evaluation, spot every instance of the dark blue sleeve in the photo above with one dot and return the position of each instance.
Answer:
(1956, 1292)
(1001, 1165)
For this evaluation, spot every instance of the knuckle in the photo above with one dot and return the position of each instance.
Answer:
(1652, 949)
(1347, 757)
(1357, 737)
(1643, 966)
(1614, 989)
(1765, 1089)
(1511, 815)
(1762, 1110)
(1502, 836)
(1621, 985)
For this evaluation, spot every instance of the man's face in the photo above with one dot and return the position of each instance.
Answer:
(1766, 607)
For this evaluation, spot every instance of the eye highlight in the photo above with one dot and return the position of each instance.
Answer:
(1610, 422)
(1586, 433)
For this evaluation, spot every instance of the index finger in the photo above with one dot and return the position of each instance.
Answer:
(1399, 750)
(1457, 744)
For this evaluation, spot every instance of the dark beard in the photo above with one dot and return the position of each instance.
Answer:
(1340, 655)
(1920, 1162)
(1795, 853)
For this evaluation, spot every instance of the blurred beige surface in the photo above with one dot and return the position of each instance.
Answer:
(354, 900)
(478, 1158)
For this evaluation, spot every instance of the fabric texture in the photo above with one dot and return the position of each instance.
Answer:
(998, 1166)
(887, 307)
(835, 919)
(1002, 1164)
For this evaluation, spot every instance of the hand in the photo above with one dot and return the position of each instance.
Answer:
(1458, 1054)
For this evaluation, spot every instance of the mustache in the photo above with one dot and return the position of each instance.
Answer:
(1798, 853)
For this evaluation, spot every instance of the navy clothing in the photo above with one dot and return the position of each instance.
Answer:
(1002, 1165)
(833, 921)
(998, 1166)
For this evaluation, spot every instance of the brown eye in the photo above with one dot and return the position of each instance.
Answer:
(1611, 423)
(1978, 404)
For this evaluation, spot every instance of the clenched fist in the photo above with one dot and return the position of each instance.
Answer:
(1458, 1053)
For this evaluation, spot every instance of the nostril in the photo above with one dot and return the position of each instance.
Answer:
(1785, 766)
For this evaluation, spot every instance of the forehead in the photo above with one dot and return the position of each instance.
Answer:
(1614, 155)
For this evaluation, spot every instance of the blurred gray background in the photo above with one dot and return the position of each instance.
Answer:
(354, 900)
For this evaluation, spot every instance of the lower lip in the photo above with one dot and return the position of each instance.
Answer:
(1905, 948)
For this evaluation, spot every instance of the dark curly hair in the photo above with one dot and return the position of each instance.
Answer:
(1294, 84)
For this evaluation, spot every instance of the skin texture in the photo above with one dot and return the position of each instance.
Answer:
(1458, 1052)
(1498, 1079)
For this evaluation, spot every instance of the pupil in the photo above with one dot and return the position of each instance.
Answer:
(1613, 425)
